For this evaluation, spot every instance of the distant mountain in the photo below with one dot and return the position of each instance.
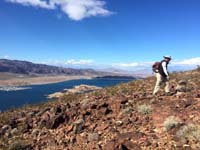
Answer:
(25, 67)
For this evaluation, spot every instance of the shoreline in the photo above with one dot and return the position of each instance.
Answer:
(40, 80)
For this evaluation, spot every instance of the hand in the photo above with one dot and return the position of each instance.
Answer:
(168, 78)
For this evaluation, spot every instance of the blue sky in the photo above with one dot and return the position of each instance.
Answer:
(118, 33)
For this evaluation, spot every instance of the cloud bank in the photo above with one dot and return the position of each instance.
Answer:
(175, 64)
(191, 61)
(82, 63)
(74, 9)
(79, 62)
(185, 64)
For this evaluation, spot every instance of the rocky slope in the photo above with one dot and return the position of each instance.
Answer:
(123, 117)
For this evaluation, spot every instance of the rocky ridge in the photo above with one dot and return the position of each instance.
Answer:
(123, 117)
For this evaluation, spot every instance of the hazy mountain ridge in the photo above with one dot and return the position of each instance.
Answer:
(25, 67)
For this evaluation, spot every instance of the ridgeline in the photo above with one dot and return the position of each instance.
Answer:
(122, 117)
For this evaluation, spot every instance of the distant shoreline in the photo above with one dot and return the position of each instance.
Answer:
(22, 80)
(39, 80)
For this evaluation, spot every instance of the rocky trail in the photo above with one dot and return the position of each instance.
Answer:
(122, 117)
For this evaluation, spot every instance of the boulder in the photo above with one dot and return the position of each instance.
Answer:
(78, 126)
(4, 129)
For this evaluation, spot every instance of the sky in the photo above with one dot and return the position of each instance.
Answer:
(122, 34)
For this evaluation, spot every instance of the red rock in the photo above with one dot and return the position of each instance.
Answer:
(102, 127)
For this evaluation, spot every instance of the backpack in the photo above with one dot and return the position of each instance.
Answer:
(156, 67)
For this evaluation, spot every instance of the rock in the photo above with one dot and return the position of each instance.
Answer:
(102, 127)
(50, 120)
(197, 95)
(104, 105)
(93, 137)
(69, 128)
(188, 102)
(110, 145)
(85, 103)
(4, 129)
(93, 106)
(105, 111)
(78, 126)
(124, 101)
(31, 114)
(119, 123)
(42, 111)
(118, 144)
(182, 82)
(56, 110)
(56, 121)
(128, 145)
(14, 131)
(35, 132)
(181, 88)
(127, 110)
(13, 123)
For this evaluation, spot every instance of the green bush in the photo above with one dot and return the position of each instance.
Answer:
(144, 109)
(171, 122)
(189, 132)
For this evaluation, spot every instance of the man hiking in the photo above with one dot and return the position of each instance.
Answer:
(162, 75)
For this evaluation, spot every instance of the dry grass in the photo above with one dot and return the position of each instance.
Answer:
(171, 122)
(144, 109)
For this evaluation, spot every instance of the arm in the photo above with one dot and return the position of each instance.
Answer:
(164, 65)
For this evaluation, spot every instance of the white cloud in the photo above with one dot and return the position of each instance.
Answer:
(146, 67)
(75, 9)
(35, 3)
(132, 64)
(186, 62)
(191, 61)
(6, 57)
(79, 62)
(69, 63)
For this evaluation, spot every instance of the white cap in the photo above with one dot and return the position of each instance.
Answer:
(167, 56)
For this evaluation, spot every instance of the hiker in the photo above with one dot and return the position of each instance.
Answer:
(162, 75)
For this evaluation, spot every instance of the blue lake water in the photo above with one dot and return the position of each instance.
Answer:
(38, 93)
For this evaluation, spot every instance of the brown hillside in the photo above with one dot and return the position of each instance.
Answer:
(123, 117)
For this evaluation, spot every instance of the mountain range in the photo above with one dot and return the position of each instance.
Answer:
(29, 68)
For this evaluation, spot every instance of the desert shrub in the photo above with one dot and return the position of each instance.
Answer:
(19, 145)
(97, 93)
(189, 132)
(70, 98)
(6, 117)
(171, 122)
(111, 91)
(144, 109)
(125, 90)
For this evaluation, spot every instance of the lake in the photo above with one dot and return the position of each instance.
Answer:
(38, 93)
